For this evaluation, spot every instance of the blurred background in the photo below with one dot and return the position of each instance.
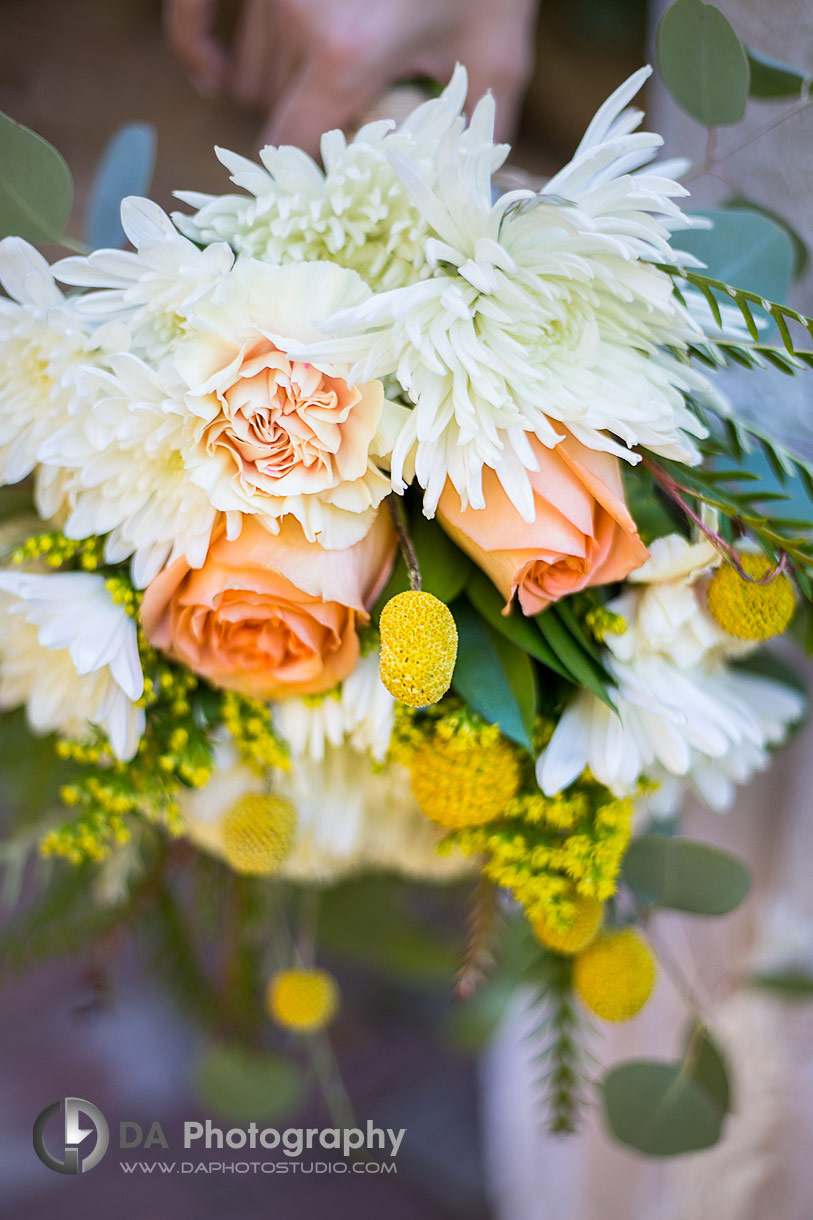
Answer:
(103, 1029)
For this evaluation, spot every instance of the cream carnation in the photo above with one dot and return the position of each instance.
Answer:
(542, 310)
(686, 715)
(70, 655)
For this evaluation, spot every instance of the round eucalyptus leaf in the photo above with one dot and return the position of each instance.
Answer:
(36, 188)
(244, 1086)
(684, 875)
(771, 78)
(659, 1109)
(702, 62)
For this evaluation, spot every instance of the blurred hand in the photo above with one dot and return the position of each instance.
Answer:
(312, 65)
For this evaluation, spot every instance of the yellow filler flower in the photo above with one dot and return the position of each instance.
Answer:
(747, 610)
(614, 975)
(257, 834)
(302, 1000)
(418, 647)
(581, 930)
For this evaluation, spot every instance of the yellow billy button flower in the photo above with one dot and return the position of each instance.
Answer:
(574, 937)
(257, 834)
(302, 1000)
(747, 610)
(465, 780)
(418, 647)
(615, 974)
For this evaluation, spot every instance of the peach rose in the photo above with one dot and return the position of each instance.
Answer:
(583, 533)
(269, 615)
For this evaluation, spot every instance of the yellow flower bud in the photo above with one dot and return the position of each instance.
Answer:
(303, 1000)
(257, 834)
(465, 780)
(418, 648)
(577, 934)
(615, 974)
(746, 610)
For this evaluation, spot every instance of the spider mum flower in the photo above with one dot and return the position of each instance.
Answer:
(418, 647)
(747, 610)
(257, 834)
(303, 1000)
(465, 779)
(575, 936)
(614, 976)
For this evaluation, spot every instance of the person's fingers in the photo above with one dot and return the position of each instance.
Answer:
(189, 26)
(330, 91)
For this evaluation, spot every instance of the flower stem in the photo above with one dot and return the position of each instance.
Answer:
(396, 507)
(326, 1070)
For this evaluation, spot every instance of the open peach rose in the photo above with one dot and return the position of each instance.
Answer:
(269, 615)
(582, 534)
(272, 435)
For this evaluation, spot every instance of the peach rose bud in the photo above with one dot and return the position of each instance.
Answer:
(582, 535)
(270, 615)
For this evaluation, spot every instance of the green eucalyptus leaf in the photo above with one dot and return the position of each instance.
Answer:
(583, 669)
(702, 62)
(772, 78)
(704, 1061)
(515, 626)
(744, 248)
(244, 1086)
(659, 1109)
(125, 168)
(801, 254)
(684, 875)
(793, 984)
(489, 674)
(36, 188)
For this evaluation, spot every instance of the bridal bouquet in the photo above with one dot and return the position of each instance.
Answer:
(374, 520)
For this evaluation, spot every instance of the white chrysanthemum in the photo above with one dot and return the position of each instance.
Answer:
(44, 347)
(350, 818)
(361, 710)
(356, 212)
(684, 712)
(70, 655)
(130, 481)
(543, 309)
(151, 289)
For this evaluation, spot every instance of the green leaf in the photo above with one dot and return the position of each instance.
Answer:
(36, 188)
(772, 78)
(705, 1063)
(789, 984)
(744, 248)
(244, 1086)
(369, 921)
(684, 875)
(515, 626)
(659, 1109)
(801, 254)
(489, 675)
(125, 168)
(585, 672)
(444, 567)
(702, 62)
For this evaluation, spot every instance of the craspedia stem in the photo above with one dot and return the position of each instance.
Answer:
(395, 505)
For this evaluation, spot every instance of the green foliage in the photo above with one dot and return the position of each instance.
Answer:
(708, 1066)
(444, 567)
(563, 1057)
(557, 630)
(744, 247)
(801, 255)
(125, 168)
(770, 78)
(36, 188)
(702, 62)
(792, 984)
(522, 631)
(369, 921)
(242, 1086)
(684, 875)
(660, 1109)
(493, 676)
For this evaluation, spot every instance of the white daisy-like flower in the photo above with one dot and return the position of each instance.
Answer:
(350, 818)
(543, 309)
(153, 288)
(355, 212)
(361, 710)
(686, 715)
(44, 347)
(70, 655)
(126, 454)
